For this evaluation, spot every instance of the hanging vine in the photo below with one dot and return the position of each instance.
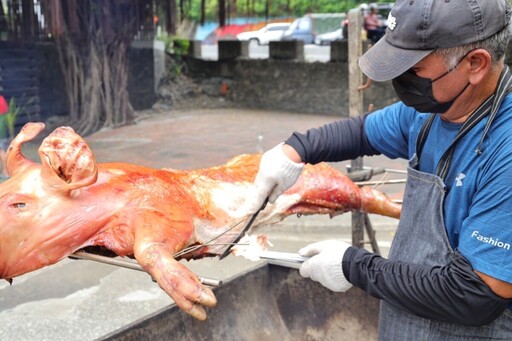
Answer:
(92, 38)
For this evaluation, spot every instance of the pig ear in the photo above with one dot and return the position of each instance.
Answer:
(14, 159)
(67, 161)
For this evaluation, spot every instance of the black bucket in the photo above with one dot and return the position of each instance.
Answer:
(268, 303)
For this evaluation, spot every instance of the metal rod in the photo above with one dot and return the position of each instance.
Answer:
(383, 182)
(130, 265)
(398, 171)
(389, 170)
(283, 256)
(371, 234)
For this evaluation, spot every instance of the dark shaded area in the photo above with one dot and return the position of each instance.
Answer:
(141, 79)
(269, 303)
(19, 78)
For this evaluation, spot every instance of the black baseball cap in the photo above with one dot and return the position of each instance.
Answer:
(418, 27)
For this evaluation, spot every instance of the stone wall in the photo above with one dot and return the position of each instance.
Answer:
(299, 87)
(288, 84)
(285, 82)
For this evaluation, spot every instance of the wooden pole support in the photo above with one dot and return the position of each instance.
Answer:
(355, 79)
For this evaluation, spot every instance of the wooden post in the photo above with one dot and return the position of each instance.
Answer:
(355, 50)
(355, 99)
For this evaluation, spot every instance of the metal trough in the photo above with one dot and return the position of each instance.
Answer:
(268, 303)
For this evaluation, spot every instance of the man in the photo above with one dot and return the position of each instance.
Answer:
(373, 25)
(449, 271)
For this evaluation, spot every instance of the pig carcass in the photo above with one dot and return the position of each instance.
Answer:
(67, 202)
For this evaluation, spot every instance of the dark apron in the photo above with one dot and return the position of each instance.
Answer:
(421, 238)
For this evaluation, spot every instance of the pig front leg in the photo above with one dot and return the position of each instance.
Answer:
(157, 239)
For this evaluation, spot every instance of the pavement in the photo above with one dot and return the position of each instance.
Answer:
(84, 300)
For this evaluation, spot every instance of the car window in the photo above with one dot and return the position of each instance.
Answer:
(295, 24)
(278, 28)
(304, 24)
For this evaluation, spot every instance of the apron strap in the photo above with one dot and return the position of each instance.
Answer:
(489, 107)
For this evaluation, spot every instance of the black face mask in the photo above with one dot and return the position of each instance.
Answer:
(416, 92)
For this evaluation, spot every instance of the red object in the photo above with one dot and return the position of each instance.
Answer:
(4, 108)
(223, 89)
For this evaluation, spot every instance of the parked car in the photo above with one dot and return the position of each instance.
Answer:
(327, 38)
(271, 32)
(309, 26)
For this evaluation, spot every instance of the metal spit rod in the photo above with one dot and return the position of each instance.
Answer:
(381, 170)
(380, 182)
(130, 265)
(285, 259)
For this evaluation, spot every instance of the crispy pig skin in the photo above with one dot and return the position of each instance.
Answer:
(68, 202)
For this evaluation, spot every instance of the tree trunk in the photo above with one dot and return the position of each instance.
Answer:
(203, 12)
(171, 17)
(222, 13)
(94, 59)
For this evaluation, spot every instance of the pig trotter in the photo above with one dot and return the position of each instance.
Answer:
(182, 285)
(184, 288)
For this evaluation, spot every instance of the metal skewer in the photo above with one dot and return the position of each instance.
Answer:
(382, 182)
(382, 170)
(286, 259)
(130, 265)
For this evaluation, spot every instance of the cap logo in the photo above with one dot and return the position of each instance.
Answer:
(391, 22)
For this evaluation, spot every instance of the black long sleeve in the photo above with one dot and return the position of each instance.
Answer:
(337, 141)
(451, 293)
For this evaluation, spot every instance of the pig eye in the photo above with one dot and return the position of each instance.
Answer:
(18, 205)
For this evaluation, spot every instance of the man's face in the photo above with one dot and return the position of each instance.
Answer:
(450, 85)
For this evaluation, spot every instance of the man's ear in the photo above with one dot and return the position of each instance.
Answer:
(480, 62)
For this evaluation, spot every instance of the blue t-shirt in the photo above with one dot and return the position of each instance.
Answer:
(478, 203)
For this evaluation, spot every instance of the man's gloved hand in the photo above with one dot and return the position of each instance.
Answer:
(324, 266)
(277, 173)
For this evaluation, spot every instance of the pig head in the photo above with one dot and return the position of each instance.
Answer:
(36, 200)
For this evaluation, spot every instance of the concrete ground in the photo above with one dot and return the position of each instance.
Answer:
(83, 300)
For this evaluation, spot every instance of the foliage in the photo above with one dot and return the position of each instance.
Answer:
(279, 8)
(180, 46)
(177, 47)
(8, 120)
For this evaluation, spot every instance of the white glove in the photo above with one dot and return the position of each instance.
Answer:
(277, 173)
(324, 266)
